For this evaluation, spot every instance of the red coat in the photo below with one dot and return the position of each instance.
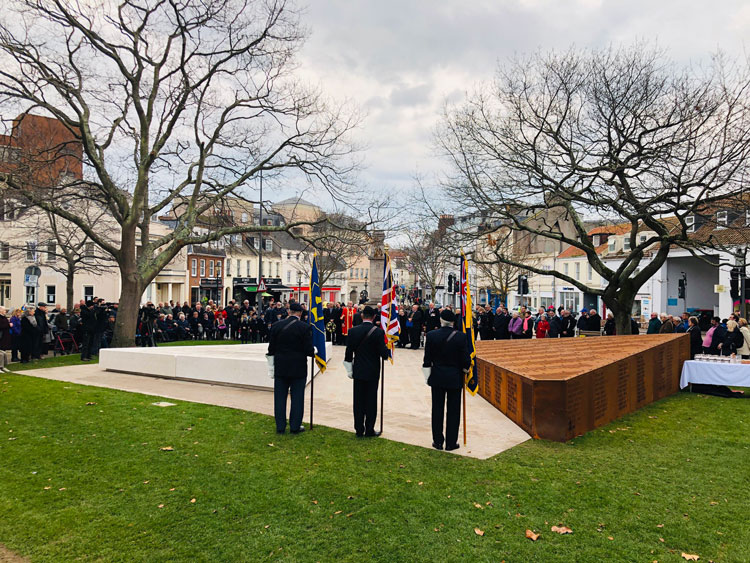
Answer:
(542, 328)
(347, 319)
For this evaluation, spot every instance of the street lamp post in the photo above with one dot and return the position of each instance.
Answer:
(299, 286)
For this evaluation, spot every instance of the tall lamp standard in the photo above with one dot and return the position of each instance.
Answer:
(299, 286)
(259, 298)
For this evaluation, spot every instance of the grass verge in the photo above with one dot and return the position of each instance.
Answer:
(84, 476)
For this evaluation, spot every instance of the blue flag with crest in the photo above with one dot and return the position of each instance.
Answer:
(316, 317)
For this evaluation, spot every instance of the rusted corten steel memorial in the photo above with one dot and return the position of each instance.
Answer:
(560, 388)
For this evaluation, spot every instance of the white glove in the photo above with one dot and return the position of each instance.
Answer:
(426, 372)
(269, 359)
(349, 367)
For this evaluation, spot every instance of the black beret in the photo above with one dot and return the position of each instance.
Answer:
(294, 306)
(447, 315)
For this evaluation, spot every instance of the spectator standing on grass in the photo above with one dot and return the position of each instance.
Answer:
(654, 324)
(732, 340)
(15, 334)
(29, 334)
(744, 350)
(5, 338)
(43, 335)
(694, 332)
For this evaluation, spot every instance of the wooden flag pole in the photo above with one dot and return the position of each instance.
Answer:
(464, 394)
(312, 389)
(382, 392)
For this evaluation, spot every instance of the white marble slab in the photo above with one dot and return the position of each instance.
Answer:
(232, 364)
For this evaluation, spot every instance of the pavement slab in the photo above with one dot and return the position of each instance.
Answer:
(407, 405)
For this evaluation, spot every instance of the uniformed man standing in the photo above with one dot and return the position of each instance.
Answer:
(289, 345)
(446, 360)
(365, 347)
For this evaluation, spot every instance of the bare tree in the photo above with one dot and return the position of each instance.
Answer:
(619, 135)
(191, 100)
(429, 252)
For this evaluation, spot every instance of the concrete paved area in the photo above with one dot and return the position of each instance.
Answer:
(406, 412)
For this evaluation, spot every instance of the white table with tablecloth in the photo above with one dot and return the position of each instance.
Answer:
(715, 373)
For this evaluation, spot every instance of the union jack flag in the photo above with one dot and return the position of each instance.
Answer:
(389, 308)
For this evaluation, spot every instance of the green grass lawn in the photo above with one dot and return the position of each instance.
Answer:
(75, 359)
(83, 476)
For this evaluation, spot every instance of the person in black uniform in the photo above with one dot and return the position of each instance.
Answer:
(88, 323)
(290, 343)
(415, 332)
(365, 346)
(446, 359)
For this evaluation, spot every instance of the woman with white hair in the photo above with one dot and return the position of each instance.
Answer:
(732, 340)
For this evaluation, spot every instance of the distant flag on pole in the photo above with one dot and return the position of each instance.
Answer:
(389, 308)
(467, 325)
(316, 317)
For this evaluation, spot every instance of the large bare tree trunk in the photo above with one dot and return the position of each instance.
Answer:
(127, 312)
(69, 287)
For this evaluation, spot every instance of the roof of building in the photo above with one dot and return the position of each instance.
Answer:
(619, 229)
(296, 201)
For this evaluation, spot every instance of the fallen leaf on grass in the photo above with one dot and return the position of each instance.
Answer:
(660, 525)
(90, 403)
(47, 488)
(690, 556)
(172, 489)
(161, 506)
(271, 445)
(478, 532)
(713, 503)
(561, 529)
(315, 502)
(661, 540)
(531, 535)
(192, 500)
(350, 514)
(61, 489)
(477, 505)
(338, 512)
(610, 538)
(167, 449)
(267, 526)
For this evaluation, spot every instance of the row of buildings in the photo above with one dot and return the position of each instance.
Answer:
(275, 262)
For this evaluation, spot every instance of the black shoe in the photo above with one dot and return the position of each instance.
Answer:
(437, 446)
(281, 431)
(373, 435)
(451, 448)
(301, 429)
(360, 435)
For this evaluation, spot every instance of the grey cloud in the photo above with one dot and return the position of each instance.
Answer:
(411, 96)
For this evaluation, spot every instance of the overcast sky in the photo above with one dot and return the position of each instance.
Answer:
(400, 61)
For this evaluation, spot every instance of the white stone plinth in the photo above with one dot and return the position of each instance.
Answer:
(232, 364)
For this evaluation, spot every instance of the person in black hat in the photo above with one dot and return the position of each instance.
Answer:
(290, 343)
(88, 324)
(365, 346)
(446, 360)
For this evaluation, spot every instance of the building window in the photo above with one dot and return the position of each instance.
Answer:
(51, 294)
(256, 243)
(590, 273)
(239, 265)
(229, 266)
(626, 243)
(88, 292)
(89, 250)
(218, 269)
(570, 300)
(690, 223)
(288, 255)
(612, 245)
(210, 268)
(51, 252)
(565, 268)
(4, 251)
(7, 210)
(721, 219)
(277, 269)
(247, 268)
(268, 244)
(203, 268)
(642, 239)
(31, 295)
(31, 255)
(244, 217)
(578, 270)
(269, 222)
(194, 267)
(288, 276)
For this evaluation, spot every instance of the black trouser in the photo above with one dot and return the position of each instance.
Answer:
(15, 340)
(282, 386)
(96, 343)
(415, 335)
(439, 396)
(365, 406)
(86, 344)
